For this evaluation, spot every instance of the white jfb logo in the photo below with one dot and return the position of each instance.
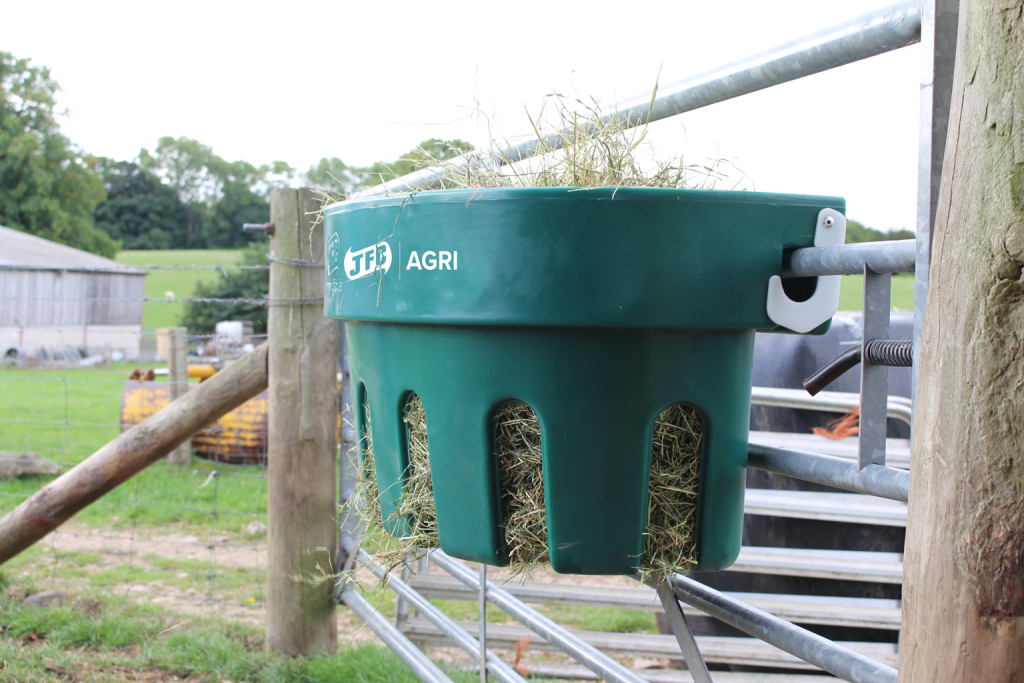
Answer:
(441, 260)
(367, 261)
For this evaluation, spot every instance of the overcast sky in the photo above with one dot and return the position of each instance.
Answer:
(301, 80)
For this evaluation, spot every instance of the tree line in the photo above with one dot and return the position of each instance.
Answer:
(177, 195)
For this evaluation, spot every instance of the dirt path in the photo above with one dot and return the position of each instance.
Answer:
(91, 550)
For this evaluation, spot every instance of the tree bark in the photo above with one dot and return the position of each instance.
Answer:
(963, 591)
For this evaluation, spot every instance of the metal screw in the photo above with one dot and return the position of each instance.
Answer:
(829, 221)
(268, 228)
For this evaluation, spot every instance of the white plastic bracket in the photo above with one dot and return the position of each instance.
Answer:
(804, 316)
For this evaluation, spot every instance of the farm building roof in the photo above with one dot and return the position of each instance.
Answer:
(21, 251)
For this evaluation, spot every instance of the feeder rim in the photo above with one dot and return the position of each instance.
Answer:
(645, 194)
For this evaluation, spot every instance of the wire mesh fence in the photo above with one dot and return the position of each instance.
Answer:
(193, 531)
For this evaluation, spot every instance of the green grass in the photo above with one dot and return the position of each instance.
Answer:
(581, 618)
(181, 282)
(105, 638)
(90, 399)
(41, 566)
(851, 294)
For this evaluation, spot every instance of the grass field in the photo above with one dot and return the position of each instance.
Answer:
(92, 638)
(851, 294)
(67, 414)
(181, 282)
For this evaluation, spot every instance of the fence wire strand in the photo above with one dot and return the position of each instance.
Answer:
(193, 532)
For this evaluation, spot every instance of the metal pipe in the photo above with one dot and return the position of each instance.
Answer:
(876, 480)
(482, 621)
(831, 401)
(684, 636)
(874, 379)
(939, 26)
(587, 655)
(810, 647)
(877, 32)
(496, 667)
(418, 663)
(832, 370)
(890, 256)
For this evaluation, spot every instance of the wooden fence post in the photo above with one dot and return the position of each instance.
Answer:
(177, 380)
(302, 443)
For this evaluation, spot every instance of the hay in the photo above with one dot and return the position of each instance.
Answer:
(416, 506)
(580, 147)
(521, 483)
(675, 471)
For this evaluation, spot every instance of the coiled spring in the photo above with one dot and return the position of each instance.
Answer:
(895, 354)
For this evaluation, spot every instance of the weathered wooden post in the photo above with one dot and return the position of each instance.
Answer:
(302, 443)
(177, 380)
(963, 576)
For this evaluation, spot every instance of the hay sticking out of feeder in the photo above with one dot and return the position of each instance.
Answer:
(672, 509)
(672, 501)
(580, 145)
(521, 482)
(416, 506)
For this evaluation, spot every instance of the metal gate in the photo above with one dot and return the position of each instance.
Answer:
(932, 23)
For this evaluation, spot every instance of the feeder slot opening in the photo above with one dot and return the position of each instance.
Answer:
(676, 446)
(417, 504)
(518, 448)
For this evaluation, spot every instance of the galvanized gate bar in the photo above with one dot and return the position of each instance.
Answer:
(810, 647)
(684, 636)
(496, 667)
(874, 379)
(880, 31)
(876, 480)
(834, 401)
(412, 656)
(890, 256)
(585, 654)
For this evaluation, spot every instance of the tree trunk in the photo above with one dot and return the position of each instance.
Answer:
(963, 594)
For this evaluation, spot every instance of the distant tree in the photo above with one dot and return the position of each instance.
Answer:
(331, 175)
(239, 284)
(857, 232)
(48, 186)
(140, 210)
(335, 176)
(219, 195)
(426, 153)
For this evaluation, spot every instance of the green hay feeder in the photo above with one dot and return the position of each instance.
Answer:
(599, 308)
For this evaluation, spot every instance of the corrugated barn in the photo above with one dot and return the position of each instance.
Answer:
(57, 297)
